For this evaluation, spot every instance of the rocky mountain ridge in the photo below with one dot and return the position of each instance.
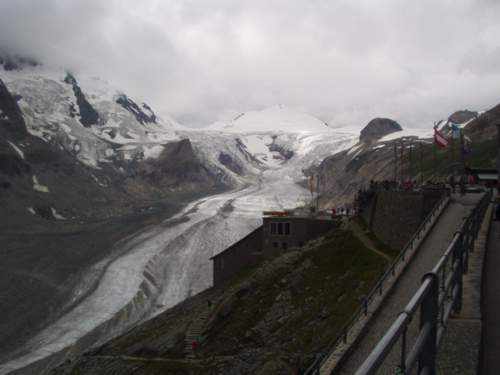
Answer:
(377, 128)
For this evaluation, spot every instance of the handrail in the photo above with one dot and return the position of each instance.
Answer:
(362, 310)
(438, 295)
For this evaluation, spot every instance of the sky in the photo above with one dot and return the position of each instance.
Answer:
(343, 61)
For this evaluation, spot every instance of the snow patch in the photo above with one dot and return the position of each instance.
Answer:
(274, 119)
(38, 187)
(31, 210)
(152, 152)
(17, 149)
(354, 149)
(410, 132)
(258, 146)
(56, 215)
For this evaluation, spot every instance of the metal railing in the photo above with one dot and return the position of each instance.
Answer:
(439, 295)
(378, 289)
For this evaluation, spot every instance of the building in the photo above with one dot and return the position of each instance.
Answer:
(282, 232)
(279, 232)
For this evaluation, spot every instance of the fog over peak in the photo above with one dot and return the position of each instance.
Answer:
(342, 61)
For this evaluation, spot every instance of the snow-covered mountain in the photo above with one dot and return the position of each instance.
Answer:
(277, 119)
(86, 116)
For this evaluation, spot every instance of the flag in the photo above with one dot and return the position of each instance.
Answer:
(455, 131)
(439, 138)
(465, 141)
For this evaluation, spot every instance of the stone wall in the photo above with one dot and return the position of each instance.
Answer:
(398, 214)
(243, 254)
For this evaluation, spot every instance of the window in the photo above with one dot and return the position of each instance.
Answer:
(279, 229)
(275, 244)
(283, 245)
(273, 228)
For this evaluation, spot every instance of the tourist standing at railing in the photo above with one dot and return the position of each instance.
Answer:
(497, 211)
(451, 181)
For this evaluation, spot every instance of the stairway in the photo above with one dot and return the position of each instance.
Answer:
(194, 333)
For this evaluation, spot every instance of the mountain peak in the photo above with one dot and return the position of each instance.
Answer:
(378, 128)
(278, 118)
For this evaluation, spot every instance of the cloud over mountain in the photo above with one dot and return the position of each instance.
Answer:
(342, 61)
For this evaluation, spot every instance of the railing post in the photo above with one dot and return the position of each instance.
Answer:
(457, 277)
(465, 251)
(429, 316)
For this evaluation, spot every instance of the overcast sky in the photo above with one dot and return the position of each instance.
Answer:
(344, 61)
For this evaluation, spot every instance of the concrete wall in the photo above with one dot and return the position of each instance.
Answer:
(243, 254)
(302, 230)
(398, 214)
(261, 244)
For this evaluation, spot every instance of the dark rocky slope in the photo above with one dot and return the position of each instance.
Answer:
(377, 128)
(60, 217)
(341, 175)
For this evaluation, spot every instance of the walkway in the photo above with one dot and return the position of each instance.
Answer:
(490, 354)
(428, 254)
(363, 237)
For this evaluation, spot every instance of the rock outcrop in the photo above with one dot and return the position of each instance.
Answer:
(460, 117)
(483, 128)
(378, 128)
(11, 117)
(88, 115)
(139, 113)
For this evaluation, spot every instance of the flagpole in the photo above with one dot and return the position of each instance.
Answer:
(395, 162)
(401, 162)
(462, 152)
(411, 160)
(434, 146)
(421, 163)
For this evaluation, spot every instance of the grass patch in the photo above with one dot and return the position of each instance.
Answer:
(379, 244)
(447, 161)
(302, 307)
(344, 272)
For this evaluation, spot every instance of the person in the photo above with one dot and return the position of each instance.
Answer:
(451, 180)
(334, 212)
(462, 185)
(194, 346)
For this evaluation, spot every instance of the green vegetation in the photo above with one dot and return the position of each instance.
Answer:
(379, 245)
(446, 161)
(302, 306)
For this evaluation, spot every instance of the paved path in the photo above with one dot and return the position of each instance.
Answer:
(428, 254)
(490, 355)
(361, 235)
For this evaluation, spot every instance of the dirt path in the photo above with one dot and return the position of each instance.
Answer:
(361, 235)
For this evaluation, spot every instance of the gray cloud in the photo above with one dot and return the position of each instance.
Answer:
(343, 61)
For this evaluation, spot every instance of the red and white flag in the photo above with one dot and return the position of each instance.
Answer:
(440, 139)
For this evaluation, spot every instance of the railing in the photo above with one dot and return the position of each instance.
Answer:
(378, 289)
(439, 295)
